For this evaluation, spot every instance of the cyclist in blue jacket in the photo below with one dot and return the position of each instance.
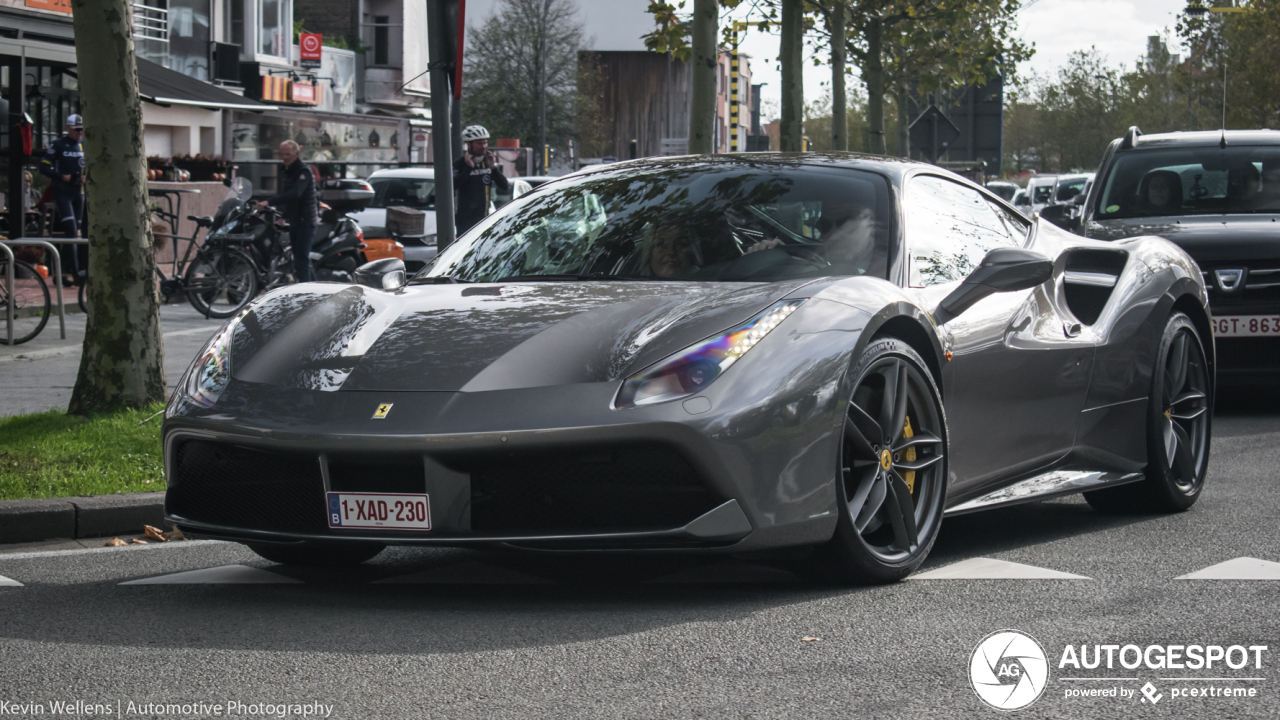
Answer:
(63, 164)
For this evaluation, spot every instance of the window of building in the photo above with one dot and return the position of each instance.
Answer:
(274, 28)
(189, 37)
(382, 40)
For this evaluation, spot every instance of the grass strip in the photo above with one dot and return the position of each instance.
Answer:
(52, 454)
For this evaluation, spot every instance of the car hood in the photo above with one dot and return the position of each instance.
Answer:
(1208, 239)
(476, 337)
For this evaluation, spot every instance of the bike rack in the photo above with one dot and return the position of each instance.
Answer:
(9, 287)
(57, 276)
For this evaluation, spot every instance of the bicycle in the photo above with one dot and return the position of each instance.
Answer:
(219, 280)
(29, 314)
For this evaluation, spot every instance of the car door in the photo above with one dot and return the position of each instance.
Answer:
(1016, 380)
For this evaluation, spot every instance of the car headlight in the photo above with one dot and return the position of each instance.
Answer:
(212, 370)
(693, 369)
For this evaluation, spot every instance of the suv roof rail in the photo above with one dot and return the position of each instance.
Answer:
(1130, 138)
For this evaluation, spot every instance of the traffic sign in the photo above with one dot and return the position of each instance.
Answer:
(932, 133)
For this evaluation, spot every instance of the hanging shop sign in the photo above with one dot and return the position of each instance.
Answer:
(309, 49)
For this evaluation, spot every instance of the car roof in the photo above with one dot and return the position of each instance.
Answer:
(409, 172)
(1204, 138)
(895, 168)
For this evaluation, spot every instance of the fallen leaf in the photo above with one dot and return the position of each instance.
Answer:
(176, 534)
(154, 533)
(148, 481)
(115, 542)
(810, 639)
(136, 541)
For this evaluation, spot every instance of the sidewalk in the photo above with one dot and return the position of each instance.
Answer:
(39, 375)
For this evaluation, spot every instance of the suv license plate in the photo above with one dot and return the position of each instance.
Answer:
(389, 511)
(1247, 326)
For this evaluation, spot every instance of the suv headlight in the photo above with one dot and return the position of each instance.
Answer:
(694, 368)
(212, 369)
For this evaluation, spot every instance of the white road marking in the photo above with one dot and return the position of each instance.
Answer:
(1242, 568)
(991, 569)
(466, 573)
(727, 572)
(89, 551)
(224, 575)
(8, 582)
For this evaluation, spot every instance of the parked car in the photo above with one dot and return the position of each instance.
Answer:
(1022, 201)
(1217, 196)
(1040, 192)
(403, 187)
(1068, 196)
(1003, 188)
(716, 354)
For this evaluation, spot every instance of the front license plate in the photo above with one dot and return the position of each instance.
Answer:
(1247, 326)
(379, 510)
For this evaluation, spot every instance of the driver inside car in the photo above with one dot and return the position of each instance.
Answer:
(671, 254)
(847, 233)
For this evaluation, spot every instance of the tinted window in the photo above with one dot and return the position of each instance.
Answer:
(417, 193)
(1042, 193)
(694, 220)
(1068, 189)
(949, 229)
(1192, 181)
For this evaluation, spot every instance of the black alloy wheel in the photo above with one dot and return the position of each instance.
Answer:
(893, 469)
(1178, 424)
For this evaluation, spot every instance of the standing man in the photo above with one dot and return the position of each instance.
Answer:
(297, 202)
(474, 175)
(63, 164)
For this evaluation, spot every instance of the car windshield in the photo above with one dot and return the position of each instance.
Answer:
(1041, 193)
(736, 221)
(1192, 181)
(1068, 189)
(416, 193)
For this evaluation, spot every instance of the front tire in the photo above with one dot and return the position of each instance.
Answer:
(221, 282)
(317, 554)
(892, 469)
(1178, 424)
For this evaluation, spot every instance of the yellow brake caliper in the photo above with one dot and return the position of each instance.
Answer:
(910, 456)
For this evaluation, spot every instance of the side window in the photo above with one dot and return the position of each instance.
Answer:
(1017, 225)
(949, 229)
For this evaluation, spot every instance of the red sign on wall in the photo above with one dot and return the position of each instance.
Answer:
(310, 47)
(304, 94)
(62, 6)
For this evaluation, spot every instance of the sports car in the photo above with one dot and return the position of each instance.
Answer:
(822, 354)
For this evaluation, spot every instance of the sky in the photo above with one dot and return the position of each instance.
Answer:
(1118, 28)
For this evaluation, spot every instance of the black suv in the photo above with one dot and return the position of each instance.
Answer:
(1217, 195)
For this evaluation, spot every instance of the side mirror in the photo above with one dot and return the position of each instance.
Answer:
(1002, 270)
(384, 274)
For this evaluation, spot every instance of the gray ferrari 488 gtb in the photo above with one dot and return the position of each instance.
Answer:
(713, 354)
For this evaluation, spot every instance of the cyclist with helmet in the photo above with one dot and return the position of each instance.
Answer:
(474, 175)
(63, 164)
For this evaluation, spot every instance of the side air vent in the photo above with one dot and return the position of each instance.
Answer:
(1090, 277)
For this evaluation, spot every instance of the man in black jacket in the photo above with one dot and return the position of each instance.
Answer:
(63, 164)
(297, 201)
(474, 176)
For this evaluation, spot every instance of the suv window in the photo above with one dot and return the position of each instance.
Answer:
(416, 193)
(1192, 181)
(949, 229)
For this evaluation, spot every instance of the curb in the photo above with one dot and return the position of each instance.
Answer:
(79, 517)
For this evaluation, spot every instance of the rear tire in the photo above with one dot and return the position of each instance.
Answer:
(1179, 414)
(221, 282)
(31, 304)
(317, 554)
(892, 482)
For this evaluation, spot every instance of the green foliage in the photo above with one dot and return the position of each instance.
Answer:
(52, 454)
(502, 71)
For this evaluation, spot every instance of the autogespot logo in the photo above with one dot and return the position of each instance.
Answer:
(1008, 670)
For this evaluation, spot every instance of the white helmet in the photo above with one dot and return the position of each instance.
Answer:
(474, 132)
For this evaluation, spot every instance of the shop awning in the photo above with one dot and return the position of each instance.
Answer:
(159, 85)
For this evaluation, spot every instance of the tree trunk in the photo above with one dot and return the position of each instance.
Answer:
(791, 55)
(122, 365)
(543, 155)
(702, 109)
(904, 119)
(874, 73)
(836, 24)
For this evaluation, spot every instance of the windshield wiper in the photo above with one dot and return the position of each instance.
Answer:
(569, 276)
(433, 280)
